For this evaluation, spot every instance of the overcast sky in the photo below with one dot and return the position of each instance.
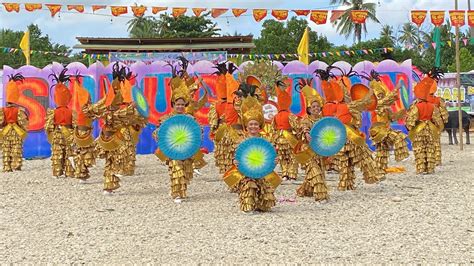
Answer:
(65, 27)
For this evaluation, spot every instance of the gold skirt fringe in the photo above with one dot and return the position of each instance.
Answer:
(130, 152)
(424, 151)
(314, 183)
(437, 146)
(12, 150)
(225, 157)
(181, 174)
(61, 151)
(286, 158)
(395, 139)
(84, 158)
(256, 195)
(352, 155)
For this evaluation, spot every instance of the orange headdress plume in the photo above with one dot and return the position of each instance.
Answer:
(62, 95)
(12, 90)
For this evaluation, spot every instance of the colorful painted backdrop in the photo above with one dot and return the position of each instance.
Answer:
(37, 92)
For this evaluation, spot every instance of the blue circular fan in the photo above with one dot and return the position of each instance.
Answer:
(328, 136)
(179, 137)
(141, 103)
(256, 157)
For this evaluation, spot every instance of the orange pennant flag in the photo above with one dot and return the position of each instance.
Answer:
(259, 14)
(178, 11)
(32, 7)
(319, 16)
(118, 10)
(78, 8)
(216, 12)
(238, 11)
(198, 11)
(470, 18)
(359, 16)
(336, 14)
(54, 9)
(280, 14)
(97, 7)
(138, 11)
(437, 18)
(418, 16)
(458, 17)
(300, 12)
(10, 7)
(156, 9)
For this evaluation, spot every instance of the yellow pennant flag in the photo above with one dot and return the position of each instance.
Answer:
(303, 47)
(25, 46)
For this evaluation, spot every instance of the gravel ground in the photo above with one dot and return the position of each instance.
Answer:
(407, 218)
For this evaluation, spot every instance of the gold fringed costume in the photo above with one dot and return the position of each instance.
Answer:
(84, 145)
(254, 194)
(180, 171)
(13, 131)
(231, 130)
(13, 126)
(433, 77)
(423, 122)
(84, 151)
(60, 136)
(111, 142)
(381, 134)
(444, 115)
(314, 184)
(285, 125)
(130, 132)
(355, 152)
(59, 129)
(216, 117)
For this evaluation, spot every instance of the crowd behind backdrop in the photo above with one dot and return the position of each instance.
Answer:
(37, 92)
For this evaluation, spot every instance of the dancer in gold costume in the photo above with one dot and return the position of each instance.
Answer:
(216, 116)
(381, 134)
(84, 145)
(180, 171)
(349, 111)
(112, 143)
(59, 128)
(228, 134)
(254, 194)
(314, 184)
(435, 74)
(285, 127)
(131, 132)
(424, 123)
(13, 126)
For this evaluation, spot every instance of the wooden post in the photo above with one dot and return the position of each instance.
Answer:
(458, 83)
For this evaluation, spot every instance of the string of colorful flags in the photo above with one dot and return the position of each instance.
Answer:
(320, 54)
(17, 50)
(457, 17)
(425, 45)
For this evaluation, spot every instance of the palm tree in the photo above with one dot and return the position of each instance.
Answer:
(345, 25)
(409, 35)
(387, 33)
(142, 27)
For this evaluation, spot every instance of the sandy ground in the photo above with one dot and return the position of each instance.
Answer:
(406, 219)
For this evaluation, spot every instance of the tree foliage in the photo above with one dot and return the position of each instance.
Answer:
(167, 26)
(38, 42)
(279, 37)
